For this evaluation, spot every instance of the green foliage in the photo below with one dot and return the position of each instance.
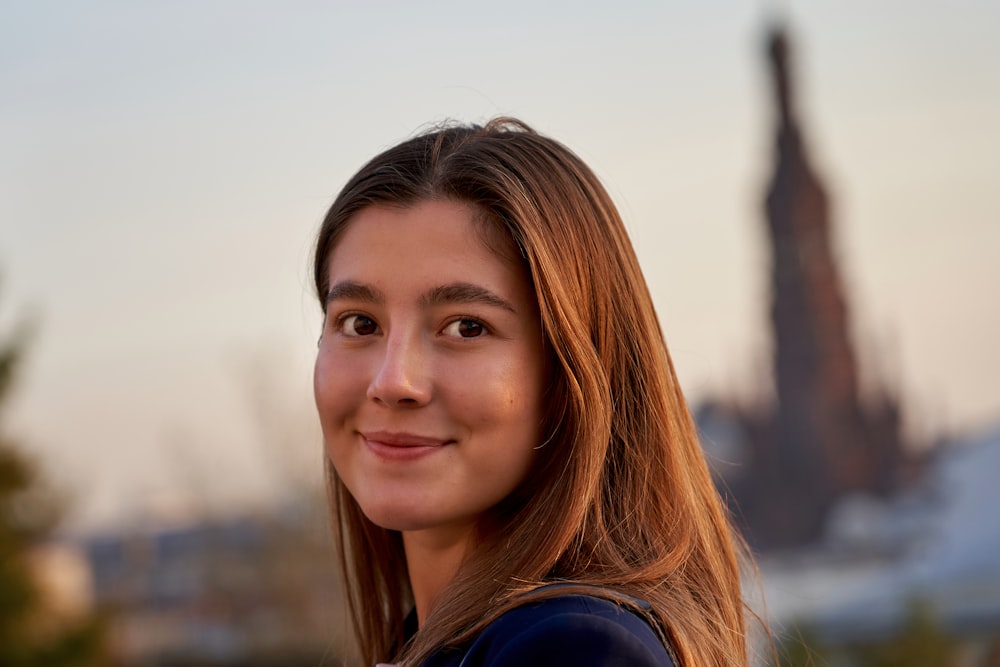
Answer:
(801, 650)
(29, 636)
(920, 643)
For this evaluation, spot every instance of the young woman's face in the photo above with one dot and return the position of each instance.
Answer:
(431, 368)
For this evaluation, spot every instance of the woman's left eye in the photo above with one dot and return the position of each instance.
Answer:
(465, 329)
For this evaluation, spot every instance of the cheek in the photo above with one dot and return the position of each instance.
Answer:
(516, 402)
(497, 390)
(322, 385)
(337, 387)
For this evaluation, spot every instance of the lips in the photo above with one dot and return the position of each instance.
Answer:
(401, 446)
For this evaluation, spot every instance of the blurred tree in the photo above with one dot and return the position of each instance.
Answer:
(30, 634)
(921, 642)
(801, 649)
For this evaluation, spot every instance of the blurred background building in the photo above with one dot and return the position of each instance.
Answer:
(238, 590)
(819, 440)
(880, 549)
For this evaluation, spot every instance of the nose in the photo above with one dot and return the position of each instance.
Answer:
(401, 378)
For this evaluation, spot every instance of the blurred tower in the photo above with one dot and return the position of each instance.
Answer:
(819, 441)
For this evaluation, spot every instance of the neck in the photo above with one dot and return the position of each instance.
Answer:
(432, 561)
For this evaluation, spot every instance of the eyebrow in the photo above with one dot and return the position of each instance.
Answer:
(353, 291)
(465, 293)
(441, 295)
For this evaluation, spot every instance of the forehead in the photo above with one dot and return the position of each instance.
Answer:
(432, 239)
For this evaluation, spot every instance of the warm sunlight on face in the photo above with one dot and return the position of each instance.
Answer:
(430, 372)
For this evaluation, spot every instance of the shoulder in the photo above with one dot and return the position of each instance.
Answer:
(570, 630)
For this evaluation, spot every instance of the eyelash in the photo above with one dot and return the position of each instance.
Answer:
(342, 321)
(340, 324)
(459, 320)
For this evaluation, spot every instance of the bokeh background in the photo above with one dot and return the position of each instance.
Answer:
(164, 168)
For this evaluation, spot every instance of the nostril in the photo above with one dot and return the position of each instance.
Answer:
(401, 378)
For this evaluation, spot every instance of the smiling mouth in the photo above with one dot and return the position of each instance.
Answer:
(401, 446)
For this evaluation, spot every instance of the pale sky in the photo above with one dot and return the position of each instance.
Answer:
(164, 167)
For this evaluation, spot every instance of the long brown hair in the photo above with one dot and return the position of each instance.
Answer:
(620, 496)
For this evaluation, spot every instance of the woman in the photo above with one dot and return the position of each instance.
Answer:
(514, 473)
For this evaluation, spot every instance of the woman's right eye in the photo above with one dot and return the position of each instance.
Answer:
(357, 325)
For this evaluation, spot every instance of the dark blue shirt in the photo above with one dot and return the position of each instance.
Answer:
(564, 631)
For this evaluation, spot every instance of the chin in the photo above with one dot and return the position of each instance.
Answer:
(394, 518)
